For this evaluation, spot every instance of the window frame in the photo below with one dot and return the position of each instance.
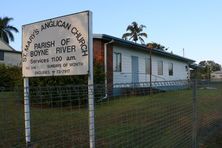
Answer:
(170, 69)
(186, 68)
(160, 68)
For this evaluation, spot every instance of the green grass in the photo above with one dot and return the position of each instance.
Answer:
(160, 120)
(142, 121)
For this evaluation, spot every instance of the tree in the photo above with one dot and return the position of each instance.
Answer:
(135, 32)
(6, 29)
(207, 67)
(154, 45)
(210, 64)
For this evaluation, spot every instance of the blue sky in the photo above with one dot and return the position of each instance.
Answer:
(195, 25)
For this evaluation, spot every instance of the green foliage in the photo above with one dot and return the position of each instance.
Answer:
(69, 80)
(6, 29)
(205, 69)
(213, 66)
(135, 32)
(99, 75)
(61, 86)
(63, 89)
(10, 76)
(154, 45)
(58, 80)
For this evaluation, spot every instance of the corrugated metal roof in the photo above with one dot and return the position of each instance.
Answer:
(5, 46)
(142, 47)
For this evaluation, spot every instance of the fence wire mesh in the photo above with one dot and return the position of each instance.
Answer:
(59, 116)
(126, 115)
(133, 118)
(209, 97)
(11, 118)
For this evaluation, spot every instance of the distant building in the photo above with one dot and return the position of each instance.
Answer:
(217, 75)
(8, 55)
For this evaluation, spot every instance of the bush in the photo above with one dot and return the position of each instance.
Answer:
(10, 76)
(70, 80)
(63, 90)
(54, 90)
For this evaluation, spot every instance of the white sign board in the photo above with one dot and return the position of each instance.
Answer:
(55, 47)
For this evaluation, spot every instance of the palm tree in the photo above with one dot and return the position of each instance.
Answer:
(135, 32)
(6, 29)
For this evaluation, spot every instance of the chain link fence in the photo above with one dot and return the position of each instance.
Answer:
(11, 118)
(209, 109)
(171, 114)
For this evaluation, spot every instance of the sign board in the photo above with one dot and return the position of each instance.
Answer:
(57, 46)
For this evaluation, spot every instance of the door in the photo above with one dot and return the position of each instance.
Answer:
(135, 69)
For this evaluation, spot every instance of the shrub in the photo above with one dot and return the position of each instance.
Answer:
(10, 76)
(63, 90)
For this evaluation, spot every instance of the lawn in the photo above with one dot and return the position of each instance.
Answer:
(160, 120)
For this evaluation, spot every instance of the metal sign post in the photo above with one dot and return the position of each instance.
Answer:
(91, 88)
(27, 112)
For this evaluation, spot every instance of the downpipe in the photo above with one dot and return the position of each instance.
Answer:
(105, 68)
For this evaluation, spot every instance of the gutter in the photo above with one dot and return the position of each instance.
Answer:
(12, 51)
(142, 47)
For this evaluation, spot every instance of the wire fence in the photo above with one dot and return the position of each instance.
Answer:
(170, 114)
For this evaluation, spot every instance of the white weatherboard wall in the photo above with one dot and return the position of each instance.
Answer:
(11, 58)
(125, 76)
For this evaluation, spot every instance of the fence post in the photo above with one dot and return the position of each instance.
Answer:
(27, 112)
(194, 114)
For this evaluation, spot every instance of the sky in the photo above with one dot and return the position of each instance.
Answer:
(192, 25)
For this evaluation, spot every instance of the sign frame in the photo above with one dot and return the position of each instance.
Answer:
(35, 43)
(90, 88)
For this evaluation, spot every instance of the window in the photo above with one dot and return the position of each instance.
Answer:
(160, 67)
(186, 67)
(147, 66)
(170, 68)
(1, 55)
(117, 62)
